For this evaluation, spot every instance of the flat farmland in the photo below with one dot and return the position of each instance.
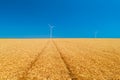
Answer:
(60, 59)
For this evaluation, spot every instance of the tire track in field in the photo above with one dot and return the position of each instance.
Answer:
(98, 58)
(64, 61)
(24, 75)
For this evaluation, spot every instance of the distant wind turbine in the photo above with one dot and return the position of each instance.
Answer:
(51, 30)
(96, 34)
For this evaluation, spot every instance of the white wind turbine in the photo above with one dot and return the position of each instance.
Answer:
(96, 34)
(51, 30)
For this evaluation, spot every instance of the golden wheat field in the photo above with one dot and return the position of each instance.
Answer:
(59, 59)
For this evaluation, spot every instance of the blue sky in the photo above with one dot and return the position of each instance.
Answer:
(71, 18)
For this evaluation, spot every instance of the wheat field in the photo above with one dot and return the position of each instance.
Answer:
(60, 59)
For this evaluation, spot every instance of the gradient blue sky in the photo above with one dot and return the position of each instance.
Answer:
(72, 18)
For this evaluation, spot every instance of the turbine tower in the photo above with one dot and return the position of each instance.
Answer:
(51, 30)
(96, 34)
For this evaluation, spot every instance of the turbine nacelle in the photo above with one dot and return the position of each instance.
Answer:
(51, 26)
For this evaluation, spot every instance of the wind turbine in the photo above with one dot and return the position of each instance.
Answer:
(96, 34)
(51, 30)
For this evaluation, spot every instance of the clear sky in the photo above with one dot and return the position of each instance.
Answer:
(71, 18)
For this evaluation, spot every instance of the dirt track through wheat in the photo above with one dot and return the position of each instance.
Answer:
(66, 64)
(32, 63)
(49, 66)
